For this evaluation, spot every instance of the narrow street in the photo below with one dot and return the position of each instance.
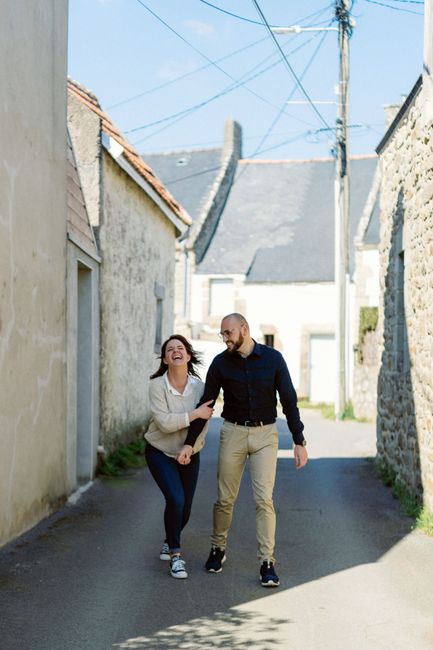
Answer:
(353, 575)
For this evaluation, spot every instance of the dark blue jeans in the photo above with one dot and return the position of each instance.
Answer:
(177, 483)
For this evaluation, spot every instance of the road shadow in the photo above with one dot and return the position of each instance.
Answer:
(94, 567)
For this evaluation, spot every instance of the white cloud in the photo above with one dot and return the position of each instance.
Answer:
(172, 69)
(205, 30)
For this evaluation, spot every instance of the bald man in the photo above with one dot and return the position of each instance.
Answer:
(251, 375)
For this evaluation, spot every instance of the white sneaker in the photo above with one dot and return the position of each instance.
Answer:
(177, 567)
(165, 552)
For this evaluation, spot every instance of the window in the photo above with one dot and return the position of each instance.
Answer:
(400, 328)
(221, 297)
(159, 292)
(269, 340)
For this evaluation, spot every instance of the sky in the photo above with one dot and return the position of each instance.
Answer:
(156, 67)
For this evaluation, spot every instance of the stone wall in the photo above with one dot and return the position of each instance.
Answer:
(405, 387)
(137, 244)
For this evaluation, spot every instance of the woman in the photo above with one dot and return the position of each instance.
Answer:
(174, 391)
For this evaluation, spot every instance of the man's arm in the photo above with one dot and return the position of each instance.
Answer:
(211, 391)
(289, 401)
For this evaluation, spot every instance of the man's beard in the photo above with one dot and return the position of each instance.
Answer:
(236, 344)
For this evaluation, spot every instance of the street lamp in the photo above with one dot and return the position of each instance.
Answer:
(341, 196)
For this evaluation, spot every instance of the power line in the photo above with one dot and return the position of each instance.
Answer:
(184, 76)
(410, 2)
(204, 67)
(197, 50)
(383, 4)
(286, 62)
(256, 22)
(181, 114)
(292, 92)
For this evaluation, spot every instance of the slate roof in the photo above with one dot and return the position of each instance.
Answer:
(278, 222)
(78, 226)
(131, 155)
(188, 175)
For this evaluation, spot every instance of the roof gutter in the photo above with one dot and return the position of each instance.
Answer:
(116, 150)
(400, 115)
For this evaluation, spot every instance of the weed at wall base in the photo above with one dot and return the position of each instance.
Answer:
(116, 463)
(410, 503)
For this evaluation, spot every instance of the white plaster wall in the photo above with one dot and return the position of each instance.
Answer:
(33, 39)
(137, 244)
(289, 311)
(288, 308)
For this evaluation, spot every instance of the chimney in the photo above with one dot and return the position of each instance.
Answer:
(232, 139)
(391, 111)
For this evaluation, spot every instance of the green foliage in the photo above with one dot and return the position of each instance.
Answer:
(425, 522)
(368, 317)
(410, 503)
(116, 463)
(327, 410)
(385, 473)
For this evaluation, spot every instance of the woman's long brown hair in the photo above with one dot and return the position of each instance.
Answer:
(196, 357)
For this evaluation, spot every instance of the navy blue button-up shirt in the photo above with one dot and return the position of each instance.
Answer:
(250, 386)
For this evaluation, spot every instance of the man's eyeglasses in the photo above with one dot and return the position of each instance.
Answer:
(226, 333)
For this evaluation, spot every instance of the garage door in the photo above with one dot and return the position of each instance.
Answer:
(322, 368)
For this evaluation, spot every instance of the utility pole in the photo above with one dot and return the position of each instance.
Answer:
(342, 208)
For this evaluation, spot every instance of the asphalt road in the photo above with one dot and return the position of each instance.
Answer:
(353, 574)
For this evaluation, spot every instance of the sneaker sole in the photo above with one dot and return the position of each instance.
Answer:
(164, 556)
(217, 570)
(178, 577)
(270, 584)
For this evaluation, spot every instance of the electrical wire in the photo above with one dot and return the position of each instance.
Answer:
(409, 2)
(383, 4)
(184, 76)
(252, 92)
(292, 92)
(291, 70)
(181, 114)
(201, 68)
(256, 22)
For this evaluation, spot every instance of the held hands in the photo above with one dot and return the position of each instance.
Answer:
(183, 457)
(300, 455)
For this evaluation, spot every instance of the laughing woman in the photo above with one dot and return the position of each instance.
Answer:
(174, 391)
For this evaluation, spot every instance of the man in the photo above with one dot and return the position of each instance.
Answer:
(250, 375)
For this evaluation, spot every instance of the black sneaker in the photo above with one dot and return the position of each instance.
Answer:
(268, 577)
(216, 559)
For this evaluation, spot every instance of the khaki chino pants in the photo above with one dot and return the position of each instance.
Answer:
(260, 445)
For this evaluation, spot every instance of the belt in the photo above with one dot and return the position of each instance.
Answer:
(252, 423)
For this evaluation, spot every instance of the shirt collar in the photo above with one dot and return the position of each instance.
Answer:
(188, 388)
(257, 350)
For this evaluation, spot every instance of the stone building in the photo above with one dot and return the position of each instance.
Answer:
(33, 44)
(405, 387)
(136, 222)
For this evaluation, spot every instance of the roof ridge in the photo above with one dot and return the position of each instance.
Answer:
(180, 151)
(248, 161)
(109, 128)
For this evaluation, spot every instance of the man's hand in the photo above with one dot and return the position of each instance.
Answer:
(183, 457)
(301, 456)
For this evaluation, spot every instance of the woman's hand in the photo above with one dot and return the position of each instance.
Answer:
(183, 457)
(204, 412)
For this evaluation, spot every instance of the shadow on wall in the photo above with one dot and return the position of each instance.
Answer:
(397, 435)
